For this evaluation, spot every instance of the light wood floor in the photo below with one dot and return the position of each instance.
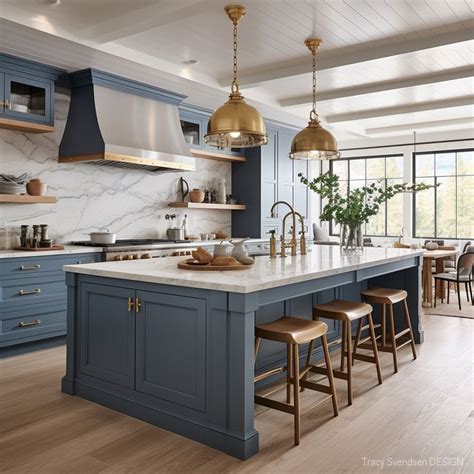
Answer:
(424, 411)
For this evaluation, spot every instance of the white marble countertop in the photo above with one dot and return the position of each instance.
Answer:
(266, 273)
(68, 249)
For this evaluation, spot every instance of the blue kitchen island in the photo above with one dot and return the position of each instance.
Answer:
(175, 347)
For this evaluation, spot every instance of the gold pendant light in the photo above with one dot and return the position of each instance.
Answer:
(314, 142)
(236, 124)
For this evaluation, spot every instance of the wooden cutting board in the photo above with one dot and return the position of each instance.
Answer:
(185, 265)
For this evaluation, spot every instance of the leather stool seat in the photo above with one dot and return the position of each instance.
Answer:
(291, 330)
(384, 295)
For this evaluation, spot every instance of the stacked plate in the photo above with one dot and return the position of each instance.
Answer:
(12, 184)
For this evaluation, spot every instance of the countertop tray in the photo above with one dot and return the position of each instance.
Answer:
(39, 249)
(184, 265)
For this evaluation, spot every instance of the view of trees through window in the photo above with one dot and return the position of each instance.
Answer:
(448, 210)
(384, 170)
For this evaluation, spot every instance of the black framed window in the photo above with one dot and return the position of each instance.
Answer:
(362, 171)
(447, 211)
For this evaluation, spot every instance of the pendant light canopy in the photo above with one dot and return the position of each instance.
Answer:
(314, 142)
(236, 124)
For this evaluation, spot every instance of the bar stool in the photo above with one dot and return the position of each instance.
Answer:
(348, 311)
(292, 332)
(388, 296)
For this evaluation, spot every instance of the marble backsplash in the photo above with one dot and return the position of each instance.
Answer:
(131, 203)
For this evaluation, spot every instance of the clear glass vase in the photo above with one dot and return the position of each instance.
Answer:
(352, 239)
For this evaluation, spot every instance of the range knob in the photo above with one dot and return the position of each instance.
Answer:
(146, 255)
(118, 257)
(127, 257)
(175, 254)
(188, 252)
(136, 256)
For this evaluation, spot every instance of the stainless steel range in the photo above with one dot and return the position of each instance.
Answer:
(135, 249)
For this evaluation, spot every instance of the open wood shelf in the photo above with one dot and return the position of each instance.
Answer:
(27, 199)
(212, 155)
(22, 126)
(206, 205)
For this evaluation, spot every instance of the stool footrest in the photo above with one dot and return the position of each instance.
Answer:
(404, 343)
(268, 373)
(323, 371)
(315, 386)
(365, 358)
(402, 333)
(276, 405)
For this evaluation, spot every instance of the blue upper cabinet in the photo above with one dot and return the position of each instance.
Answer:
(27, 94)
(268, 175)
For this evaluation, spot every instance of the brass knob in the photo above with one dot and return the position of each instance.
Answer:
(146, 255)
(136, 256)
(118, 257)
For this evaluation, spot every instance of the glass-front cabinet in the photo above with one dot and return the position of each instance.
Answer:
(27, 94)
(27, 99)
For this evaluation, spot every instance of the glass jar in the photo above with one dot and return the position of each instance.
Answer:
(352, 239)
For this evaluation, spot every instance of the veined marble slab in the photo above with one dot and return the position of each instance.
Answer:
(267, 273)
(68, 249)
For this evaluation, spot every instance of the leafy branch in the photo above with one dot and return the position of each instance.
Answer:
(359, 204)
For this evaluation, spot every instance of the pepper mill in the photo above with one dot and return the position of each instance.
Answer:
(44, 235)
(36, 236)
(24, 235)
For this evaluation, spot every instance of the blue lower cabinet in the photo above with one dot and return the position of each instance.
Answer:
(33, 296)
(32, 323)
(171, 348)
(107, 333)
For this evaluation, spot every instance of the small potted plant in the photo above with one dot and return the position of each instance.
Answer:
(354, 209)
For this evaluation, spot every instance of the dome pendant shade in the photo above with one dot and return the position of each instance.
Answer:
(314, 143)
(235, 124)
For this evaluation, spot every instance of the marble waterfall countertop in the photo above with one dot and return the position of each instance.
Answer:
(266, 273)
(68, 249)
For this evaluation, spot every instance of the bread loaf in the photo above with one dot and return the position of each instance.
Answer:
(224, 261)
(202, 255)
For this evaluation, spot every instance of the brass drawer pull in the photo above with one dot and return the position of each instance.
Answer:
(131, 304)
(30, 267)
(138, 304)
(35, 322)
(36, 291)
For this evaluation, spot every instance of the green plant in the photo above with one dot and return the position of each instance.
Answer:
(358, 205)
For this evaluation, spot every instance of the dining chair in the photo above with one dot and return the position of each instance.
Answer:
(463, 275)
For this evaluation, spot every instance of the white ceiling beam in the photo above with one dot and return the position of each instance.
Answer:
(383, 86)
(447, 123)
(401, 109)
(144, 19)
(371, 52)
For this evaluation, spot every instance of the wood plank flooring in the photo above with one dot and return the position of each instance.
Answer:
(425, 411)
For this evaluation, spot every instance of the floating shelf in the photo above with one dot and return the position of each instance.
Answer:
(23, 126)
(27, 199)
(206, 205)
(211, 155)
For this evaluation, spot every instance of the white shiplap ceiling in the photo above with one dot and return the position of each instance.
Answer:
(386, 66)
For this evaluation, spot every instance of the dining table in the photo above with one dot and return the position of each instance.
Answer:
(428, 256)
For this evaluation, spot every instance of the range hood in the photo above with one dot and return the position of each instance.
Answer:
(114, 121)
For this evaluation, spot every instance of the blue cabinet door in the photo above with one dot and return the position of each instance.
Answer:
(107, 334)
(171, 348)
(29, 98)
(285, 169)
(2, 93)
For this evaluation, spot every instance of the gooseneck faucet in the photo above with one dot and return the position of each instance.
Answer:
(302, 232)
(292, 244)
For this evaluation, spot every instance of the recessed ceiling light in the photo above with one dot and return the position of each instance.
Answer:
(190, 62)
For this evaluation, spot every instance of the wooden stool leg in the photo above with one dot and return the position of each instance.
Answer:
(408, 321)
(394, 341)
(255, 348)
(384, 325)
(349, 360)
(288, 372)
(374, 347)
(343, 345)
(296, 391)
(356, 341)
(308, 360)
(332, 386)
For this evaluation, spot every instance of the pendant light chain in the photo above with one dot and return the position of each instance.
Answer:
(313, 115)
(235, 86)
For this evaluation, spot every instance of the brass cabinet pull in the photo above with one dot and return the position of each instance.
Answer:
(138, 304)
(35, 322)
(131, 304)
(30, 267)
(36, 291)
